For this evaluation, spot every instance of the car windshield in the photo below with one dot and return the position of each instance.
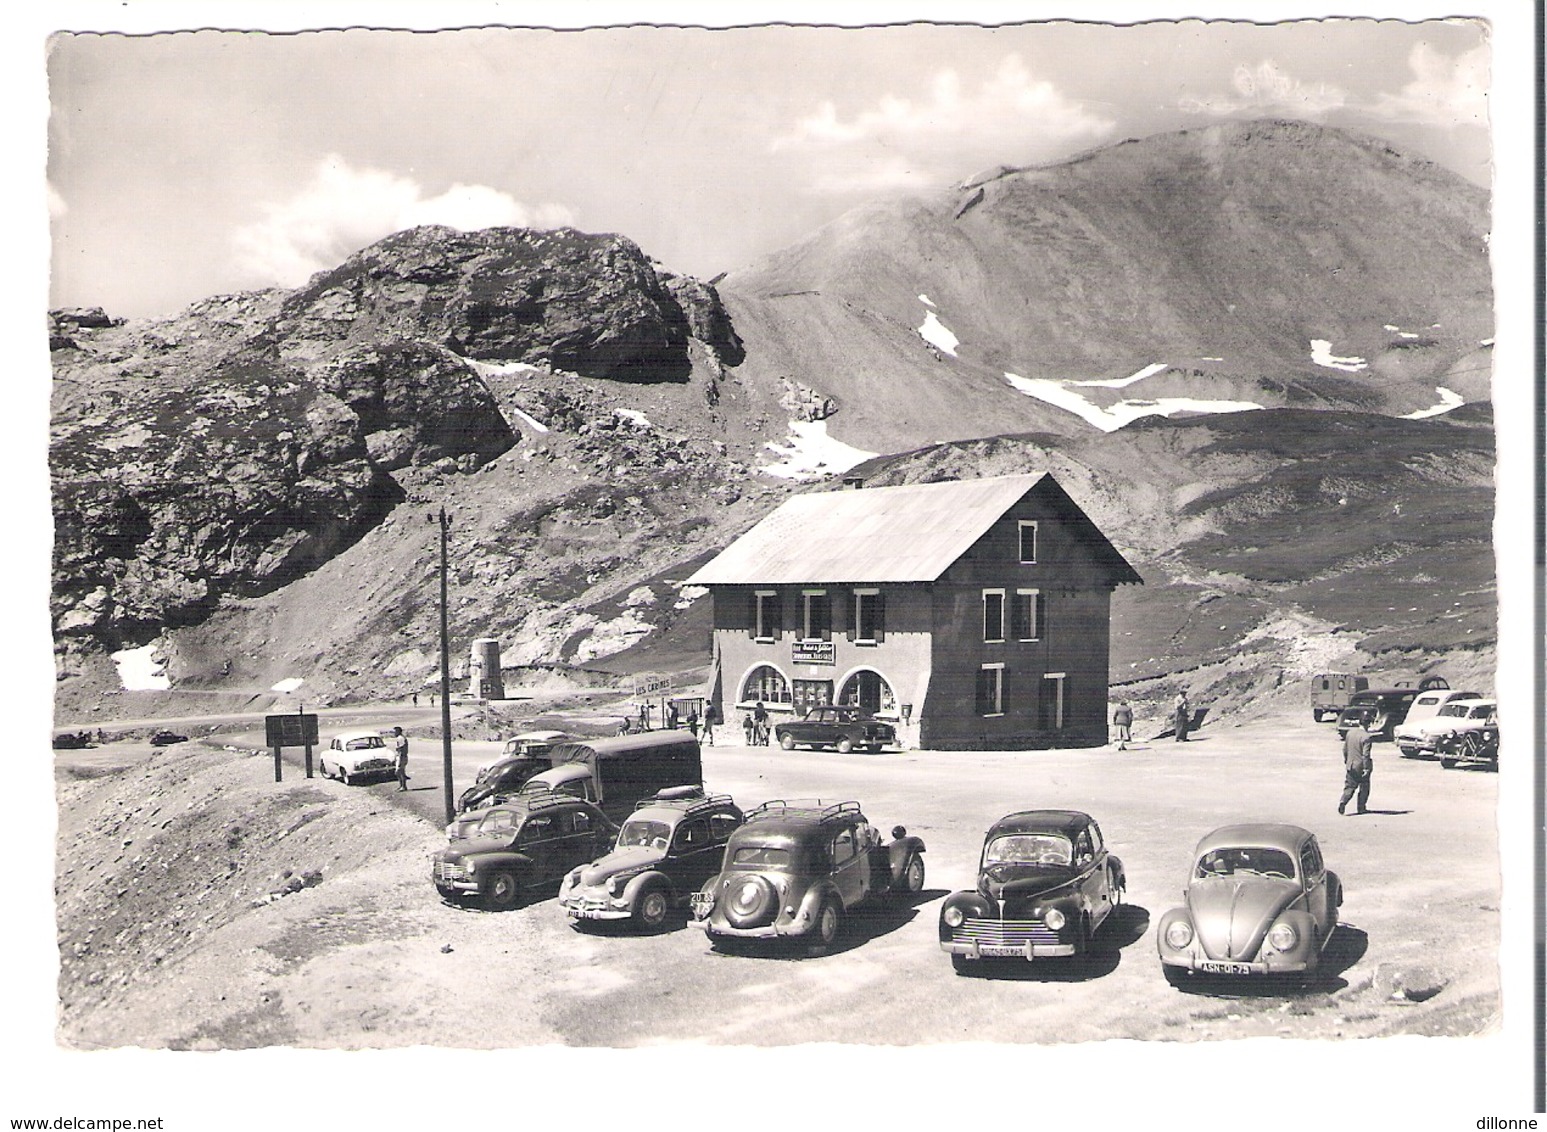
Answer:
(642, 831)
(1455, 710)
(363, 744)
(497, 822)
(1481, 711)
(1028, 849)
(762, 856)
(1254, 860)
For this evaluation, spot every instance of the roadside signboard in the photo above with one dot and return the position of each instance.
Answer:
(293, 730)
(647, 683)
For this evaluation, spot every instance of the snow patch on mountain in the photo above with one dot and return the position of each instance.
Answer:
(1064, 396)
(811, 454)
(1322, 355)
(938, 335)
(1120, 382)
(141, 670)
(1449, 399)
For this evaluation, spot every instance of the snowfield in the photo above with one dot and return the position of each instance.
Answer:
(1064, 396)
(811, 454)
(139, 670)
(1449, 399)
(1321, 354)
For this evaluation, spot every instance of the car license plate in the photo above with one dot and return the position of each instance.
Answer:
(1000, 952)
(1214, 967)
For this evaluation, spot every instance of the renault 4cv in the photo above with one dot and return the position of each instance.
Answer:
(666, 849)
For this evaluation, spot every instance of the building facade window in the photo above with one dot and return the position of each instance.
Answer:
(765, 615)
(1028, 541)
(1051, 706)
(990, 693)
(1026, 615)
(869, 617)
(765, 684)
(816, 615)
(993, 616)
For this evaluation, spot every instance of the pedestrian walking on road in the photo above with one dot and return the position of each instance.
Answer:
(760, 724)
(1122, 719)
(1358, 765)
(749, 728)
(693, 722)
(709, 726)
(1183, 715)
(400, 752)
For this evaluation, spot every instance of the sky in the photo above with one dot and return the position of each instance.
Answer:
(197, 163)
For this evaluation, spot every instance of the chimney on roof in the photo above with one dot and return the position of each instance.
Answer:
(853, 483)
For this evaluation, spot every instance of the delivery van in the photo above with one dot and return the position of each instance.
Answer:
(618, 773)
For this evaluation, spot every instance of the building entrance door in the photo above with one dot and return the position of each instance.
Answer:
(868, 692)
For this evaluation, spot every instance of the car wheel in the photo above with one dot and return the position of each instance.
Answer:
(787, 742)
(651, 908)
(502, 892)
(912, 881)
(845, 745)
(1082, 938)
(1448, 764)
(446, 893)
(829, 922)
(962, 965)
(1176, 976)
(345, 777)
(1317, 715)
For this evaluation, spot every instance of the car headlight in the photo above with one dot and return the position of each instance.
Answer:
(1283, 937)
(573, 879)
(1054, 919)
(953, 917)
(470, 865)
(1179, 933)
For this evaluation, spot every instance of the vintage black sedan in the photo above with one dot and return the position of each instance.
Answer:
(844, 729)
(1260, 900)
(521, 845)
(1046, 882)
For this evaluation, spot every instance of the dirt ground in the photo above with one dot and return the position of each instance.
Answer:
(201, 906)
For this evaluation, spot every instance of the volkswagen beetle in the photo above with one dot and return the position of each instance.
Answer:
(1260, 900)
(1046, 882)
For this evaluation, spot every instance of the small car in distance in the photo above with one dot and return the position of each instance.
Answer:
(355, 755)
(668, 847)
(1259, 900)
(503, 776)
(1470, 744)
(523, 844)
(1046, 883)
(843, 728)
(527, 744)
(794, 870)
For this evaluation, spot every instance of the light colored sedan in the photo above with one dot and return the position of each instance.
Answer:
(1260, 901)
(1420, 738)
(355, 755)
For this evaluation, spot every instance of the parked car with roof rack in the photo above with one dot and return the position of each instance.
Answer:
(523, 844)
(795, 870)
(668, 847)
(1259, 900)
(1422, 737)
(1046, 884)
(355, 755)
(844, 729)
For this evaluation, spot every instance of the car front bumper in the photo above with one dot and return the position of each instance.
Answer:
(592, 906)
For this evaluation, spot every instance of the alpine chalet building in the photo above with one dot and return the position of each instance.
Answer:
(977, 613)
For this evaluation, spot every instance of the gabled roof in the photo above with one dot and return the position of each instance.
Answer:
(911, 533)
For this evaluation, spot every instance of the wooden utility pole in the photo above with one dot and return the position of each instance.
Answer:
(445, 677)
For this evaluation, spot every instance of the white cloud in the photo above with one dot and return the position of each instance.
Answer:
(1444, 92)
(902, 141)
(343, 209)
(1267, 88)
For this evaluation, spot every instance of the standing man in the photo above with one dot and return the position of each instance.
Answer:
(400, 751)
(1122, 719)
(1183, 716)
(1357, 764)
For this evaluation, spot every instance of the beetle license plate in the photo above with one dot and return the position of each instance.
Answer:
(1214, 967)
(995, 952)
